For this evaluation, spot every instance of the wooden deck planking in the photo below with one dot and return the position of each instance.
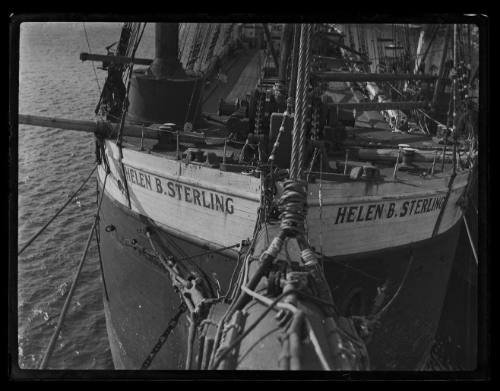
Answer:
(241, 65)
(248, 79)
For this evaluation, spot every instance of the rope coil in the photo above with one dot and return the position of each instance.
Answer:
(292, 208)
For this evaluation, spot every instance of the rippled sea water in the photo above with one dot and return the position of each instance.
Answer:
(52, 164)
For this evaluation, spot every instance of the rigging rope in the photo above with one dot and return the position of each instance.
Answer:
(418, 110)
(320, 201)
(471, 241)
(202, 56)
(208, 252)
(98, 240)
(184, 30)
(293, 77)
(195, 48)
(64, 310)
(90, 51)
(398, 290)
(57, 213)
(304, 98)
(119, 138)
(213, 42)
(296, 148)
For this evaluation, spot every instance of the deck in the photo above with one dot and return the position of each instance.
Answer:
(242, 73)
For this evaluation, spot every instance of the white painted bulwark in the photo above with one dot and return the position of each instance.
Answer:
(194, 201)
(354, 218)
(220, 208)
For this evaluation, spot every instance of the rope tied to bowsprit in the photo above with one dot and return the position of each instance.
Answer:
(292, 208)
(71, 292)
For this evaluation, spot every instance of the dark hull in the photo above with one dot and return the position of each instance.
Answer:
(456, 346)
(141, 301)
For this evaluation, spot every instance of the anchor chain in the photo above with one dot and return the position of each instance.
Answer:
(164, 336)
(315, 120)
(258, 113)
(286, 114)
(315, 132)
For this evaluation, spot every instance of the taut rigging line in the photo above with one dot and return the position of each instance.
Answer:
(64, 310)
(57, 213)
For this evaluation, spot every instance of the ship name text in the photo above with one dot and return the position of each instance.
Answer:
(388, 210)
(180, 191)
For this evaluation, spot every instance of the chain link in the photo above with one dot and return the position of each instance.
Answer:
(259, 113)
(164, 336)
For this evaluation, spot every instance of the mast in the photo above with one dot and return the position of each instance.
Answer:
(166, 63)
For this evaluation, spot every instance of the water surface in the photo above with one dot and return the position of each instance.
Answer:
(52, 164)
